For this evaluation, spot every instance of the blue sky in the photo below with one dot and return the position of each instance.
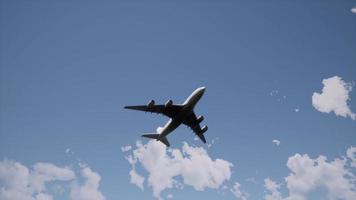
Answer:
(68, 68)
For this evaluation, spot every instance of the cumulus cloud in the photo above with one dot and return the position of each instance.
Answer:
(193, 164)
(22, 183)
(276, 142)
(308, 174)
(238, 193)
(334, 97)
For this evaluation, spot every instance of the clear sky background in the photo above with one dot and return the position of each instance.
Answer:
(68, 69)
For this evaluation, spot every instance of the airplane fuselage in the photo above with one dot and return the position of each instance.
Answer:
(187, 109)
(178, 114)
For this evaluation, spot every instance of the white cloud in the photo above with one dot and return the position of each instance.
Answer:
(15, 179)
(170, 196)
(334, 97)
(47, 172)
(309, 174)
(22, 183)
(238, 193)
(126, 148)
(89, 190)
(353, 10)
(276, 142)
(351, 154)
(273, 188)
(136, 179)
(193, 164)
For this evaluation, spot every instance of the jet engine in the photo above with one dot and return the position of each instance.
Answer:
(151, 104)
(200, 118)
(169, 103)
(204, 129)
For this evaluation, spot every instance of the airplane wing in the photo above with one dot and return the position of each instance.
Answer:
(169, 111)
(193, 123)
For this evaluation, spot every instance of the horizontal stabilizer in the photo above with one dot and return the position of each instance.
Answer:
(156, 136)
(152, 136)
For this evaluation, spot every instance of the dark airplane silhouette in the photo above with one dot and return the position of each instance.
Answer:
(178, 114)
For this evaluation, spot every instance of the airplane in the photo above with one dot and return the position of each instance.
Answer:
(178, 114)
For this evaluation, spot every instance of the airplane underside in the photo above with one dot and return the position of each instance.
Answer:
(178, 114)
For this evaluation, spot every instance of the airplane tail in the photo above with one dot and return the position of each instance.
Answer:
(157, 137)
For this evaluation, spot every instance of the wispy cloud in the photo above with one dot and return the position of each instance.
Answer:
(126, 148)
(278, 95)
(69, 152)
(351, 154)
(238, 193)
